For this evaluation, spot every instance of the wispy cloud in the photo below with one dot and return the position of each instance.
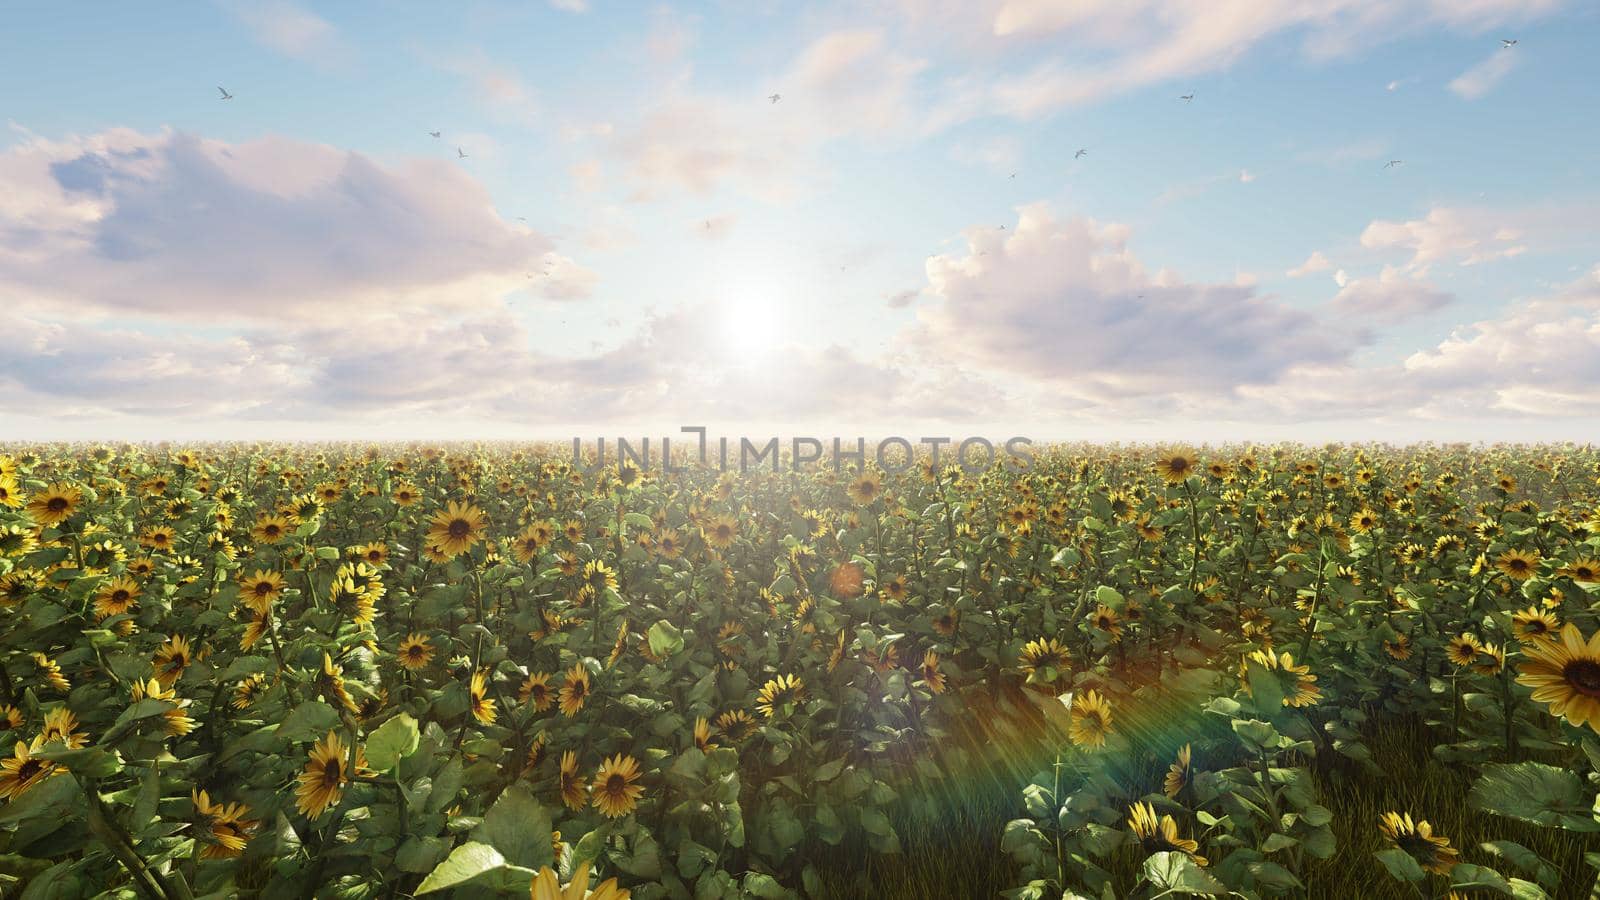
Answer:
(1482, 78)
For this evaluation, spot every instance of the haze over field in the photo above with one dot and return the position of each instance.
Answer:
(1343, 219)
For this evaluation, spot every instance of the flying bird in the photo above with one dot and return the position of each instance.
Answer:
(459, 154)
(1507, 43)
(433, 134)
(1187, 98)
(1080, 154)
(225, 94)
(1013, 175)
(522, 218)
(1394, 162)
(775, 97)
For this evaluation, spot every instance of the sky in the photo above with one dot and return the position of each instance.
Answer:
(1110, 220)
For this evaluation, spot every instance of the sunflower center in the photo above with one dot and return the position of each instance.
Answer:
(1583, 675)
(119, 596)
(615, 784)
(29, 768)
(332, 772)
(460, 528)
(56, 504)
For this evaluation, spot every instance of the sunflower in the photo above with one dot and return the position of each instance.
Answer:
(778, 693)
(225, 826)
(331, 683)
(865, 488)
(50, 671)
(536, 690)
(456, 529)
(574, 690)
(1534, 624)
(615, 793)
(597, 579)
(16, 540)
(1432, 852)
(1091, 719)
(10, 717)
(1463, 649)
(1176, 466)
(931, 675)
(323, 779)
(60, 727)
(720, 532)
(1045, 660)
(737, 724)
(895, 590)
(702, 734)
(1583, 569)
(256, 628)
(415, 652)
(23, 770)
(547, 886)
(669, 543)
(116, 597)
(570, 783)
(1107, 620)
(1179, 774)
(482, 707)
(405, 494)
(171, 659)
(1519, 564)
(1159, 834)
(270, 529)
(55, 504)
(10, 493)
(1364, 521)
(528, 542)
(261, 590)
(159, 537)
(249, 690)
(1398, 647)
(1299, 685)
(1564, 673)
(176, 722)
(374, 554)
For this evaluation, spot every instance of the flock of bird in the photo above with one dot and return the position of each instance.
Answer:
(1505, 44)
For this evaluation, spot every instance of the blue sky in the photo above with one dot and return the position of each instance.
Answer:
(639, 239)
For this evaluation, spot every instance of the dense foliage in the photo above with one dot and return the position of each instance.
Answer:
(392, 670)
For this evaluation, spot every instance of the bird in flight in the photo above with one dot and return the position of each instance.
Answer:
(1507, 43)
(433, 134)
(1013, 175)
(1394, 162)
(775, 97)
(522, 218)
(1187, 98)
(225, 94)
(1080, 154)
(459, 154)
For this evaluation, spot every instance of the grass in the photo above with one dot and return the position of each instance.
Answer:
(951, 835)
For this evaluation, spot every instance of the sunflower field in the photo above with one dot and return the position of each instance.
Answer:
(494, 670)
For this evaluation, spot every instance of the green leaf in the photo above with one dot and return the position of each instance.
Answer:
(309, 721)
(131, 717)
(665, 639)
(1265, 689)
(1466, 876)
(394, 740)
(1526, 860)
(519, 827)
(1177, 873)
(1400, 864)
(90, 762)
(1537, 793)
(466, 862)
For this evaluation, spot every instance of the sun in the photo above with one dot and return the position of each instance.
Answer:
(750, 305)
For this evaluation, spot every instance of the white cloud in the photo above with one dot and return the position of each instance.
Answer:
(1065, 303)
(1389, 298)
(1246, 176)
(174, 225)
(573, 6)
(290, 30)
(1316, 262)
(1445, 234)
(1481, 78)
